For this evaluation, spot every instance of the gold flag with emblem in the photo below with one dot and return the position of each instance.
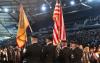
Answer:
(21, 37)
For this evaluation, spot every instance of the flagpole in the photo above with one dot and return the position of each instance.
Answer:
(59, 44)
(59, 47)
(60, 4)
(26, 33)
(30, 28)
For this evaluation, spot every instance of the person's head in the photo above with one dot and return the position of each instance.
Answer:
(49, 40)
(91, 49)
(86, 49)
(81, 47)
(98, 49)
(34, 39)
(64, 43)
(78, 44)
(95, 49)
(73, 45)
(10, 46)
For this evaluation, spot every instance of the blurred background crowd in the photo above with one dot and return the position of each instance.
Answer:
(89, 54)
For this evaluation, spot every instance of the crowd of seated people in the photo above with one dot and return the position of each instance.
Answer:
(10, 54)
(91, 37)
(89, 54)
(88, 42)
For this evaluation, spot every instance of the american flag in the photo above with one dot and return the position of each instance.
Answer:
(59, 32)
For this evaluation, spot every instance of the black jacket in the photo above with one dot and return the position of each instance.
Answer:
(64, 55)
(33, 53)
(50, 53)
(76, 55)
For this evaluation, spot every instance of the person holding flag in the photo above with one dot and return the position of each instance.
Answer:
(64, 54)
(33, 52)
(50, 50)
(59, 34)
(21, 36)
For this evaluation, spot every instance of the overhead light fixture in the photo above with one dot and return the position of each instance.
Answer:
(0, 9)
(43, 8)
(6, 9)
(50, 7)
(90, 0)
(64, 4)
(13, 11)
(72, 2)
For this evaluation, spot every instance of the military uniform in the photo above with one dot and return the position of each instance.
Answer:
(50, 53)
(33, 53)
(76, 55)
(65, 55)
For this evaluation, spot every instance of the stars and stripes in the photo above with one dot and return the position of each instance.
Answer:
(59, 32)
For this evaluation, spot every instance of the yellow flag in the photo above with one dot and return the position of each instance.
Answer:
(21, 37)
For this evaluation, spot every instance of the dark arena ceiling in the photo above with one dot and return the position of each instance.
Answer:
(76, 12)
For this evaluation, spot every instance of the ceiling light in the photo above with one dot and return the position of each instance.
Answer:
(72, 2)
(6, 9)
(64, 4)
(0, 9)
(43, 7)
(13, 11)
(50, 7)
(90, 0)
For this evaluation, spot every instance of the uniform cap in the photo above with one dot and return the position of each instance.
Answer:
(34, 35)
(49, 37)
